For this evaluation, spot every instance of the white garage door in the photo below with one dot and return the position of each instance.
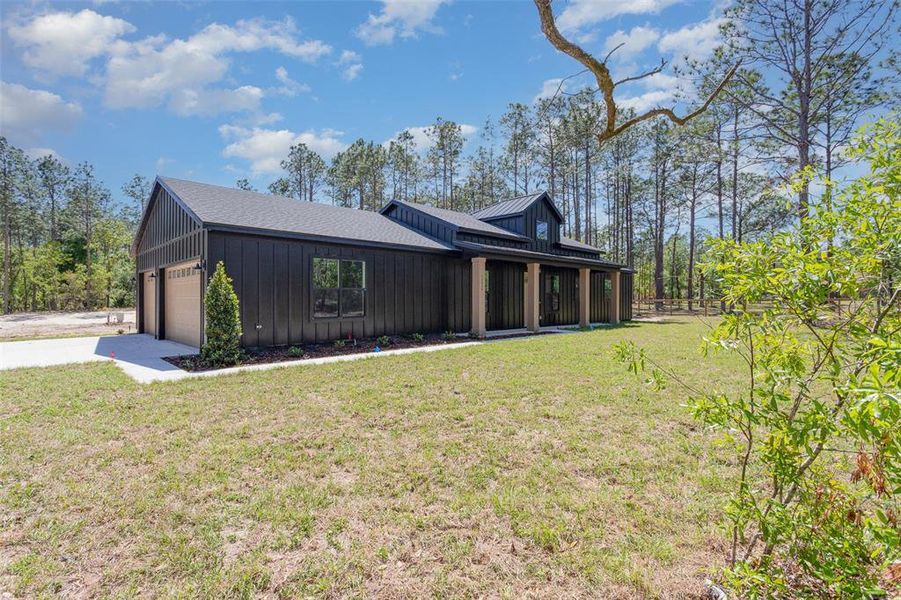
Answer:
(148, 304)
(182, 304)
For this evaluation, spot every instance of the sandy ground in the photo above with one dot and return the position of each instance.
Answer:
(65, 324)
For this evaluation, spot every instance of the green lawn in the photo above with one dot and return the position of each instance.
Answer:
(527, 467)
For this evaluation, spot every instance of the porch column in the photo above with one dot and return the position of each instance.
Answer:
(614, 297)
(478, 296)
(584, 296)
(533, 319)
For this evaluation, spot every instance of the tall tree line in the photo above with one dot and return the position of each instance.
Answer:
(649, 194)
(65, 243)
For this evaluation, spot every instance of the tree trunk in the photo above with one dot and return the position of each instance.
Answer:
(804, 88)
(691, 236)
(735, 215)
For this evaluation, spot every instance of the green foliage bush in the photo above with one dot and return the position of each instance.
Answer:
(815, 434)
(223, 321)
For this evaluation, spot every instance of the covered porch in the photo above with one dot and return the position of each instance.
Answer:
(520, 290)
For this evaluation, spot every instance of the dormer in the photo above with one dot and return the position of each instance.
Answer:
(534, 216)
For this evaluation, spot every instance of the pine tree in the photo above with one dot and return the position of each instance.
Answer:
(223, 321)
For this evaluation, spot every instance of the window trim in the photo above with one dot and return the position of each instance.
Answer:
(339, 289)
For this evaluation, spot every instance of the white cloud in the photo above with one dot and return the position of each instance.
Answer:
(266, 148)
(351, 72)
(549, 88)
(402, 18)
(352, 63)
(349, 56)
(421, 137)
(63, 43)
(646, 101)
(155, 70)
(207, 102)
(265, 118)
(582, 13)
(26, 113)
(289, 87)
(39, 153)
(634, 42)
(695, 41)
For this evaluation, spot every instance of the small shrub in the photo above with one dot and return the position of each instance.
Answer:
(448, 335)
(418, 338)
(121, 331)
(295, 351)
(339, 343)
(384, 340)
(223, 321)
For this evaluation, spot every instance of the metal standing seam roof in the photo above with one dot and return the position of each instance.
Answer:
(577, 245)
(507, 207)
(231, 207)
(462, 220)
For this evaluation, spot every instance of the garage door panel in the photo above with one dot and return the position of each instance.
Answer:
(182, 304)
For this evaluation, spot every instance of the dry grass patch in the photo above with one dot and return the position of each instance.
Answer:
(534, 467)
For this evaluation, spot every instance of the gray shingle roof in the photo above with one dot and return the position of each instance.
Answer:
(217, 205)
(462, 220)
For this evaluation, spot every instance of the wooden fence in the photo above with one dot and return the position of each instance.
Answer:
(710, 306)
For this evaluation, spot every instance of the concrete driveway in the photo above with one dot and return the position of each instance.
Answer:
(139, 355)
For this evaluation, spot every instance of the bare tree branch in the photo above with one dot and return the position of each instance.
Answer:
(605, 82)
(653, 71)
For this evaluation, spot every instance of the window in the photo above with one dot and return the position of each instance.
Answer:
(553, 291)
(339, 288)
(541, 230)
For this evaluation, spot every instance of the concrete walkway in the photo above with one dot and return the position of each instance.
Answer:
(139, 355)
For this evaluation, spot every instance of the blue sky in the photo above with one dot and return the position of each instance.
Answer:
(214, 91)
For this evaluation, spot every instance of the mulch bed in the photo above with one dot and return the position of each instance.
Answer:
(257, 356)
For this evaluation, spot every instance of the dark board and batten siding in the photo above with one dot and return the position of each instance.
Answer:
(506, 295)
(488, 240)
(171, 235)
(526, 223)
(600, 302)
(625, 297)
(406, 292)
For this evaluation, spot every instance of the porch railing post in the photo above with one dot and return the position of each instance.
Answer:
(478, 297)
(584, 297)
(533, 319)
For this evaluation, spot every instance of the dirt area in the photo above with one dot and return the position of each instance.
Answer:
(66, 324)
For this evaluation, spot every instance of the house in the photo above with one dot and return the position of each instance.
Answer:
(310, 272)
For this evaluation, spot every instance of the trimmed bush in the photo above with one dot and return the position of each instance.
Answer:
(223, 321)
